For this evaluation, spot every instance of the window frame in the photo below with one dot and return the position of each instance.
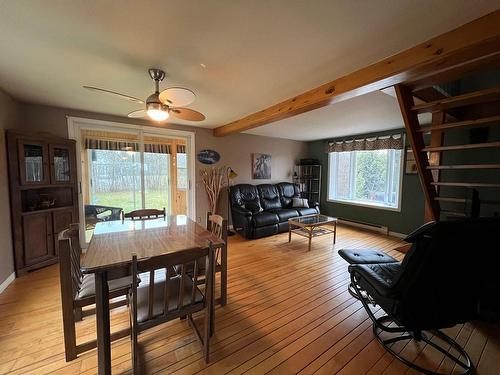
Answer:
(378, 206)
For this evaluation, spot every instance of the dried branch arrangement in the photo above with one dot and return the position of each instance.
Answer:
(213, 179)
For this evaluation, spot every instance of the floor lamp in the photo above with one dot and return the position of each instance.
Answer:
(231, 175)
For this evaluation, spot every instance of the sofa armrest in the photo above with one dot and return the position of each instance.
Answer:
(313, 204)
(241, 211)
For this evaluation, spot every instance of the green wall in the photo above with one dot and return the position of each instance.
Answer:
(411, 215)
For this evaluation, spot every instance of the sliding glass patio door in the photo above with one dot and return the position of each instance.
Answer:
(130, 170)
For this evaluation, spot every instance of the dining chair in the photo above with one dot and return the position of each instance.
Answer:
(166, 295)
(144, 214)
(217, 225)
(78, 291)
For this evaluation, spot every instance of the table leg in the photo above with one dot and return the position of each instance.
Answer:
(334, 232)
(310, 237)
(289, 232)
(103, 325)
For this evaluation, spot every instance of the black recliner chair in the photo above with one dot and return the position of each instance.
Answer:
(445, 279)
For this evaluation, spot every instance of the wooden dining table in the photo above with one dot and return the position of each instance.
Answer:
(111, 248)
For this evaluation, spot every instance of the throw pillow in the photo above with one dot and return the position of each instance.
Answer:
(300, 203)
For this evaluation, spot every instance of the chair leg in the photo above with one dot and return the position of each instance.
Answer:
(78, 314)
(207, 334)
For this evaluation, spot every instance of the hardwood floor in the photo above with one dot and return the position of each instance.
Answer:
(288, 312)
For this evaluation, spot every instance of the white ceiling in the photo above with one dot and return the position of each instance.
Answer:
(256, 53)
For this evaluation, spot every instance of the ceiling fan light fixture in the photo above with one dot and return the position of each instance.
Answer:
(157, 112)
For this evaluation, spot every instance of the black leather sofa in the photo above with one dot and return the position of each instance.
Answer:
(264, 210)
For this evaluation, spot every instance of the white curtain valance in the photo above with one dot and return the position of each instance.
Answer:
(388, 142)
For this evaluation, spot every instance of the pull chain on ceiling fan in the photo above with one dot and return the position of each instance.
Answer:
(161, 105)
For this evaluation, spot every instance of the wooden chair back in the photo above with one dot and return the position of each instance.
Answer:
(147, 213)
(183, 293)
(218, 226)
(69, 259)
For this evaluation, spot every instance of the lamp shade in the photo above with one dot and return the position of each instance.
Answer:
(232, 174)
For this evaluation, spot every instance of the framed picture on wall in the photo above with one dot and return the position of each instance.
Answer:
(261, 166)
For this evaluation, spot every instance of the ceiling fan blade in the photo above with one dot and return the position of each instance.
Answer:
(177, 96)
(187, 114)
(109, 92)
(138, 114)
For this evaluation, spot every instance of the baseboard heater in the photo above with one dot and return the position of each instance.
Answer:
(364, 225)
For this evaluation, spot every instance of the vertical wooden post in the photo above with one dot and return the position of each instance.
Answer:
(405, 100)
(437, 139)
(67, 301)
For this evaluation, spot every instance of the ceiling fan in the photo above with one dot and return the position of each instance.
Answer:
(161, 105)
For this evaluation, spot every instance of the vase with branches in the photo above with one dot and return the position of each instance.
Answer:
(213, 179)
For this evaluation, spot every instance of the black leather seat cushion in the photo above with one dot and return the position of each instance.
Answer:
(378, 278)
(365, 256)
(306, 211)
(285, 213)
(265, 218)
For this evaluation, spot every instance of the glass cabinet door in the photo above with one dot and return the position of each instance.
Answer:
(60, 163)
(33, 163)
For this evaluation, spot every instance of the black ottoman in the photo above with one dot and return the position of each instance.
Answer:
(364, 256)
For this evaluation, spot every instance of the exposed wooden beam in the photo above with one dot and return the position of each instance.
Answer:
(405, 100)
(480, 37)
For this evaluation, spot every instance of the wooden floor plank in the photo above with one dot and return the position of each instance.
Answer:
(288, 312)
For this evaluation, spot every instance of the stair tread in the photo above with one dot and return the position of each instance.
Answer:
(461, 124)
(459, 101)
(462, 147)
(465, 166)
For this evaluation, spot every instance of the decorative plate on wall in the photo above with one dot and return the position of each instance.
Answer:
(208, 156)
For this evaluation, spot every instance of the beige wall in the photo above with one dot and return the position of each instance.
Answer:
(8, 111)
(235, 150)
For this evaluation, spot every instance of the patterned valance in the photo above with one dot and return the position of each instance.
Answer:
(101, 144)
(181, 149)
(390, 142)
(157, 148)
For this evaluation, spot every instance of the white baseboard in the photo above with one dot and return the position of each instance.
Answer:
(375, 228)
(396, 234)
(7, 282)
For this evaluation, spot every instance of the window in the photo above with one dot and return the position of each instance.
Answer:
(370, 178)
(182, 180)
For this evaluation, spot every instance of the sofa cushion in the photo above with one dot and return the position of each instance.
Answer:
(243, 194)
(287, 191)
(265, 218)
(285, 213)
(306, 211)
(300, 203)
(269, 197)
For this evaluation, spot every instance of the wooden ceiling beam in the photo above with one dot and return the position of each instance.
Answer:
(480, 37)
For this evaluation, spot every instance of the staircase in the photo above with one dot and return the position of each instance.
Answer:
(446, 152)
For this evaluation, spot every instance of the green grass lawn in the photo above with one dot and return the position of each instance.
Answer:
(125, 200)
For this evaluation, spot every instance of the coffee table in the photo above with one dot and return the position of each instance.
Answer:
(312, 226)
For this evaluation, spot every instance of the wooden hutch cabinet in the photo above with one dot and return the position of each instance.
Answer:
(43, 195)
